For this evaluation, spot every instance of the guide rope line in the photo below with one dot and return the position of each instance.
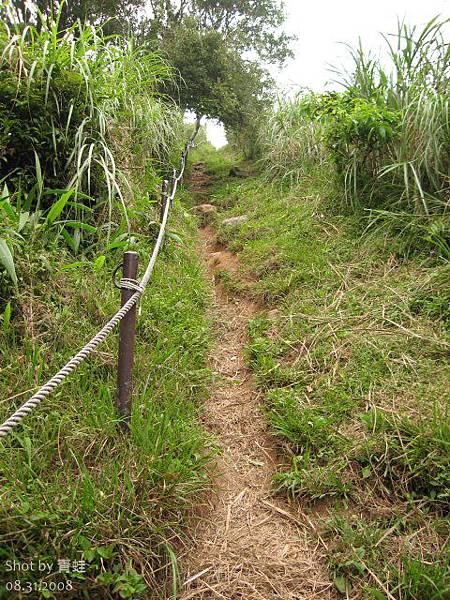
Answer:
(136, 286)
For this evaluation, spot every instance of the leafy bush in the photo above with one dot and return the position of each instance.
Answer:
(387, 135)
(357, 132)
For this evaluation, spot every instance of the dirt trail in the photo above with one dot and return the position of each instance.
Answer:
(247, 544)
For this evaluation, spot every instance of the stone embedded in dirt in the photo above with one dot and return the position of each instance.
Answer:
(232, 221)
(205, 209)
(206, 213)
(215, 257)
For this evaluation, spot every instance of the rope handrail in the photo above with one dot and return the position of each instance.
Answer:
(136, 286)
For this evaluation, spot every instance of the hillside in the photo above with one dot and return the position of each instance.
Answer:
(262, 411)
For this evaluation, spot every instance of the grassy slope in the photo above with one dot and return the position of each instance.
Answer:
(352, 353)
(72, 486)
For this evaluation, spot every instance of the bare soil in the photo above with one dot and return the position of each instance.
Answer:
(248, 543)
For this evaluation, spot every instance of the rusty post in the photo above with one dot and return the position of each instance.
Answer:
(126, 341)
(164, 192)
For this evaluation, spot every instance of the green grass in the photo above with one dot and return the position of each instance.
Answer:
(351, 351)
(367, 550)
(217, 163)
(73, 486)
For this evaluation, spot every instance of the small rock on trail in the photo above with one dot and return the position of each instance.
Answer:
(233, 221)
(205, 212)
(204, 209)
(237, 172)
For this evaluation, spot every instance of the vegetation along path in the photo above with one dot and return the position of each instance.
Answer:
(249, 544)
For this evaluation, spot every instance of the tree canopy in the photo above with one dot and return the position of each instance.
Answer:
(208, 42)
(118, 16)
(215, 80)
(244, 24)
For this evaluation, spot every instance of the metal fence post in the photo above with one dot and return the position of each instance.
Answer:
(126, 340)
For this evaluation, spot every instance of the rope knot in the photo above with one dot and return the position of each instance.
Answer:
(127, 283)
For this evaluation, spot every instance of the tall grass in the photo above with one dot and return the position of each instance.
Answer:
(72, 486)
(388, 135)
(292, 141)
(76, 109)
(417, 85)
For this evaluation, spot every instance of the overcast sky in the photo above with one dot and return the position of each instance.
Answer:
(321, 25)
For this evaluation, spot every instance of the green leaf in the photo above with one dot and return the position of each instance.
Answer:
(84, 543)
(105, 551)
(39, 177)
(81, 206)
(24, 217)
(73, 265)
(342, 584)
(78, 225)
(115, 245)
(99, 262)
(69, 240)
(8, 209)
(375, 594)
(89, 555)
(5, 192)
(58, 207)
(106, 578)
(7, 317)
(174, 236)
(7, 260)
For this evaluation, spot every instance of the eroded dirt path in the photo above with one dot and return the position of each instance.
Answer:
(247, 544)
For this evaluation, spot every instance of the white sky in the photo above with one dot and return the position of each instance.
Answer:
(321, 25)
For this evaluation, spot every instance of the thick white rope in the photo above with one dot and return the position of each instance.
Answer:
(131, 284)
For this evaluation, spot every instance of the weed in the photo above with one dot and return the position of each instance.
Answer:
(359, 561)
(312, 481)
(410, 454)
(307, 428)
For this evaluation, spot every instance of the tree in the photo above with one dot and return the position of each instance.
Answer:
(244, 24)
(121, 15)
(215, 80)
(206, 42)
